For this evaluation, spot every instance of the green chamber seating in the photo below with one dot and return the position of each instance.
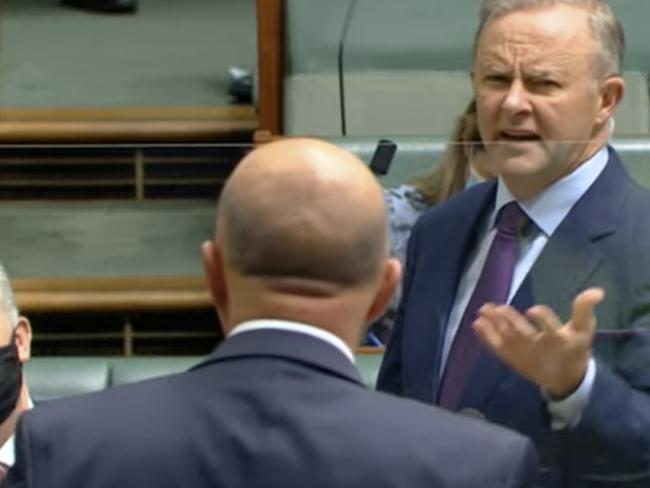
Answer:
(55, 377)
(406, 66)
(418, 154)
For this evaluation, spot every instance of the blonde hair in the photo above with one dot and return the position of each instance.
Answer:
(450, 175)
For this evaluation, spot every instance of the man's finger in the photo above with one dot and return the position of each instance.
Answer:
(582, 314)
(486, 330)
(497, 319)
(544, 318)
(519, 324)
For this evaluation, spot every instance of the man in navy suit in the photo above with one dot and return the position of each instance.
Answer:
(298, 267)
(561, 352)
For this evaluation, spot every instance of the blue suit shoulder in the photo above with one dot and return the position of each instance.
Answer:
(460, 204)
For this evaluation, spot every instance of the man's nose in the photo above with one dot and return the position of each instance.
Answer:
(516, 101)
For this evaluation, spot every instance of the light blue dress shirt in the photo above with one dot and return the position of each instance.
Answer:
(546, 211)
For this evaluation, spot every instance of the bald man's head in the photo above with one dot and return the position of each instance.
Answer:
(305, 209)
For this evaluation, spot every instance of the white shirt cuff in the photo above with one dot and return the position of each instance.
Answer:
(568, 411)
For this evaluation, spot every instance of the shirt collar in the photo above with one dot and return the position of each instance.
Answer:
(7, 456)
(298, 327)
(548, 209)
(7, 450)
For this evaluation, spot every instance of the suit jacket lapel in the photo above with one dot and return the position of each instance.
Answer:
(564, 268)
(573, 255)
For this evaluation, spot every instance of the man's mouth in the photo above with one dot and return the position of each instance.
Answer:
(518, 136)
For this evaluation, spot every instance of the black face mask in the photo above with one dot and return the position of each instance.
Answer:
(11, 378)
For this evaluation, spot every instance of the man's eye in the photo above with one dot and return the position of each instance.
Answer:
(496, 78)
(546, 83)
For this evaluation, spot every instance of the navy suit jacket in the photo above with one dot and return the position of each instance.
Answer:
(604, 241)
(268, 409)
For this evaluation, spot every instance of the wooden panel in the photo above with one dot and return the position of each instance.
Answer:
(270, 48)
(72, 295)
(102, 284)
(112, 301)
(105, 125)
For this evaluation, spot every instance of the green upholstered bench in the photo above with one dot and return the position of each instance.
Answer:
(55, 377)
(418, 154)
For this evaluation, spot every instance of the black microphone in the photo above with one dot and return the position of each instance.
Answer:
(344, 34)
(383, 157)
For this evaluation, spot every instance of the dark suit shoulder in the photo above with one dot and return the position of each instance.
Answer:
(110, 414)
(438, 439)
(298, 426)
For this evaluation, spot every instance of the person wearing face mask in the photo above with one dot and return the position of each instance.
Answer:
(15, 350)
(462, 165)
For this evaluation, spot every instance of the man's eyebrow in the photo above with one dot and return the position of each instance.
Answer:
(493, 67)
(541, 72)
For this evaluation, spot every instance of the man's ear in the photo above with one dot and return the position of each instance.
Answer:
(389, 281)
(472, 80)
(213, 264)
(612, 91)
(23, 334)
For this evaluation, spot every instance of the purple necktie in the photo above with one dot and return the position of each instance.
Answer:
(492, 286)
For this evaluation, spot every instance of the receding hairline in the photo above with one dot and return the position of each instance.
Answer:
(605, 28)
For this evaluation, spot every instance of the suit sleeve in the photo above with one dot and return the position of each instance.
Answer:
(612, 440)
(390, 372)
(525, 471)
(20, 474)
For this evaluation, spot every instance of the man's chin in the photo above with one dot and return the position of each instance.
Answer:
(518, 148)
(524, 178)
(521, 166)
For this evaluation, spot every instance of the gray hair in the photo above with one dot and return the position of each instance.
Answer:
(7, 301)
(605, 26)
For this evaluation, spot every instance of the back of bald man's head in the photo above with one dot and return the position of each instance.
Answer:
(305, 209)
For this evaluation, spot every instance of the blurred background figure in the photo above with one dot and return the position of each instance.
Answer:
(463, 164)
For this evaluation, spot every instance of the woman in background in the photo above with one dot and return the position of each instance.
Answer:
(463, 164)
